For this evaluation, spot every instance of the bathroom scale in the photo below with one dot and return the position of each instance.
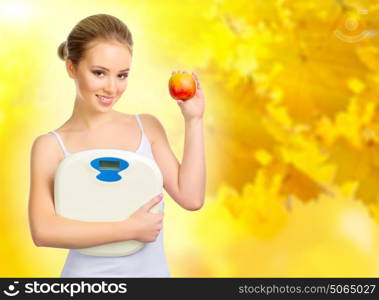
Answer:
(105, 185)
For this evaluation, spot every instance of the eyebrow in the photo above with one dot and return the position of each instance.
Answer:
(127, 69)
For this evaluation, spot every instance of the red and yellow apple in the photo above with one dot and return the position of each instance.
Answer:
(182, 86)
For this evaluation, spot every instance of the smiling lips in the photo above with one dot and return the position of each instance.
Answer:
(104, 100)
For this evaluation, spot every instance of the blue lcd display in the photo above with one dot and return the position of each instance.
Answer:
(109, 167)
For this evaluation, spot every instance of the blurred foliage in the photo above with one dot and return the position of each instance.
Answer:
(292, 117)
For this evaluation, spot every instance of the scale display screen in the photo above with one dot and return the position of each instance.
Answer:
(109, 165)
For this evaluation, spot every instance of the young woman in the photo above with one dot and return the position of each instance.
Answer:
(98, 54)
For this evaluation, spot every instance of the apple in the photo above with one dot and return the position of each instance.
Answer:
(182, 86)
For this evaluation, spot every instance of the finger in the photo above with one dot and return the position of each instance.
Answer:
(195, 76)
(154, 201)
(197, 80)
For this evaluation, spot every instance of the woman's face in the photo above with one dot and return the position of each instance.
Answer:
(102, 74)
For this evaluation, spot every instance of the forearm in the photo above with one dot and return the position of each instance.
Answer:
(60, 232)
(192, 172)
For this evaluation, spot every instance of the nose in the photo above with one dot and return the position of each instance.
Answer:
(110, 87)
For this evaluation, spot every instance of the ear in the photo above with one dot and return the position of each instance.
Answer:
(70, 68)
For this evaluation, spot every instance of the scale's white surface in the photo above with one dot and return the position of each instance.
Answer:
(104, 185)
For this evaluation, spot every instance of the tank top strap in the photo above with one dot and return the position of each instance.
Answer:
(65, 152)
(145, 145)
(140, 124)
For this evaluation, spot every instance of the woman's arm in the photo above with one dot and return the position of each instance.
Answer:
(184, 182)
(60, 232)
(48, 229)
(192, 171)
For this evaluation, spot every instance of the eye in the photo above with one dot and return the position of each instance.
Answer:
(97, 72)
(124, 74)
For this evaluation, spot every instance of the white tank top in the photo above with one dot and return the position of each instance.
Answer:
(150, 261)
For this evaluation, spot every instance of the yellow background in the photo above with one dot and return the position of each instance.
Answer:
(291, 128)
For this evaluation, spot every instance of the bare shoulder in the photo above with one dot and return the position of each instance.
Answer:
(152, 126)
(46, 151)
(45, 141)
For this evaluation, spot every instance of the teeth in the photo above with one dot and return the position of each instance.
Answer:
(104, 99)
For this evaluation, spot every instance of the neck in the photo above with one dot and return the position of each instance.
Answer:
(86, 119)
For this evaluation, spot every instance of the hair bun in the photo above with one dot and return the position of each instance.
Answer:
(62, 51)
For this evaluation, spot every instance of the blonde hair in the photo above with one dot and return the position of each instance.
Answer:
(95, 27)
